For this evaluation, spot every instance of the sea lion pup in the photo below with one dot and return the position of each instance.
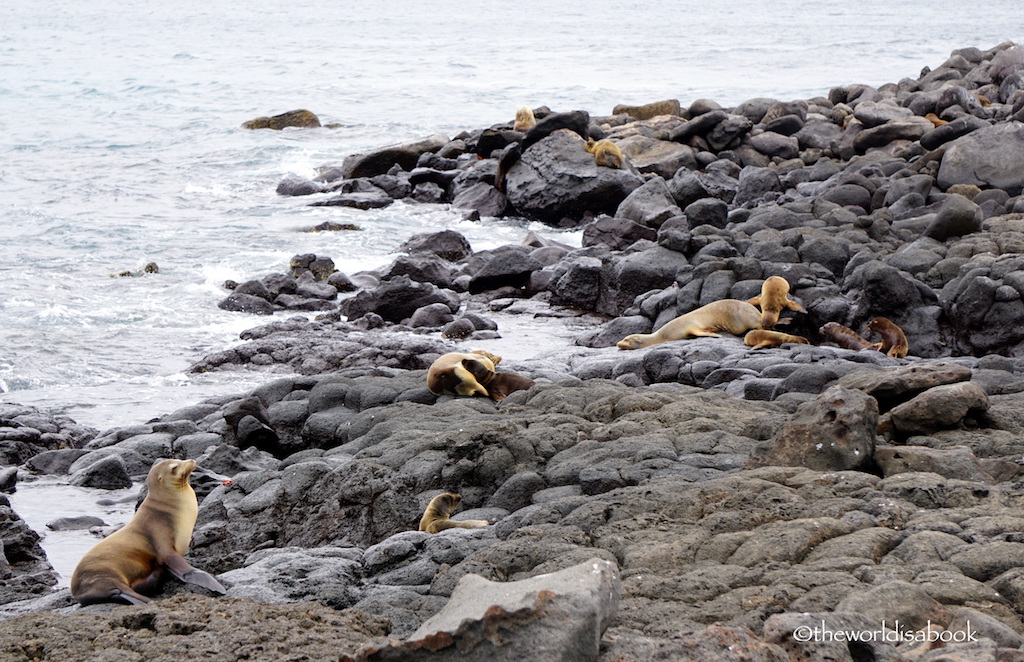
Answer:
(732, 315)
(759, 338)
(894, 341)
(844, 336)
(133, 558)
(436, 517)
(524, 120)
(456, 373)
(501, 384)
(774, 298)
(606, 153)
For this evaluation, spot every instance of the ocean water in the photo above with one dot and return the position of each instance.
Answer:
(120, 144)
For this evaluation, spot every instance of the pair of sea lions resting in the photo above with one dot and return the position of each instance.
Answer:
(743, 318)
(473, 373)
(893, 343)
(731, 315)
(133, 559)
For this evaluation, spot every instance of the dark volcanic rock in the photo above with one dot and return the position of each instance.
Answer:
(397, 299)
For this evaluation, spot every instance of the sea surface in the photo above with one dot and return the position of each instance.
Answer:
(120, 144)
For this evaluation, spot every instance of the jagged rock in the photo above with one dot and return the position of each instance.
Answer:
(379, 161)
(296, 118)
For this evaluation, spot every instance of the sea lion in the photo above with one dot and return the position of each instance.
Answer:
(134, 558)
(774, 298)
(894, 341)
(501, 384)
(732, 315)
(844, 336)
(759, 338)
(606, 153)
(474, 373)
(935, 120)
(456, 373)
(524, 120)
(436, 517)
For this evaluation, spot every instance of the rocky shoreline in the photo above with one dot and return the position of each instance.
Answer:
(697, 499)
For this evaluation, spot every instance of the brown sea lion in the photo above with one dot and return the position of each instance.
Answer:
(894, 341)
(606, 153)
(844, 336)
(759, 338)
(501, 384)
(732, 315)
(134, 558)
(524, 120)
(774, 298)
(437, 516)
(457, 373)
(935, 120)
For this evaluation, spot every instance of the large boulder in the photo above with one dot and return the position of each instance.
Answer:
(989, 157)
(397, 299)
(379, 161)
(557, 178)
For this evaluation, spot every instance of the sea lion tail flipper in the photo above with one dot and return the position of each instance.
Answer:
(129, 596)
(204, 579)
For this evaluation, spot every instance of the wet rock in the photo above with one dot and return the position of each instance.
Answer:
(397, 299)
(292, 118)
(379, 161)
(446, 244)
(108, 473)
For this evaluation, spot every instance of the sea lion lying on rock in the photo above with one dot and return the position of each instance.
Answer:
(437, 516)
(774, 298)
(456, 373)
(524, 120)
(134, 558)
(844, 336)
(759, 338)
(732, 315)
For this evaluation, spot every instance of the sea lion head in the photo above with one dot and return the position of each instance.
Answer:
(170, 474)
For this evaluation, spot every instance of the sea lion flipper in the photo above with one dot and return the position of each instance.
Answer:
(704, 332)
(756, 301)
(180, 568)
(129, 596)
(793, 305)
(783, 320)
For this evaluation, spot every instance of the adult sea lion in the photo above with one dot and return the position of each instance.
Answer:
(844, 336)
(524, 120)
(457, 373)
(774, 298)
(134, 558)
(759, 338)
(732, 315)
(606, 153)
(471, 374)
(437, 516)
(894, 341)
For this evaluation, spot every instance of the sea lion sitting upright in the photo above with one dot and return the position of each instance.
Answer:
(524, 120)
(437, 516)
(844, 336)
(774, 298)
(606, 153)
(759, 338)
(134, 558)
(894, 341)
(732, 315)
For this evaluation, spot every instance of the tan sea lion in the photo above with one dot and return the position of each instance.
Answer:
(894, 341)
(759, 338)
(774, 298)
(475, 373)
(524, 120)
(935, 120)
(606, 153)
(844, 336)
(732, 315)
(134, 558)
(436, 517)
